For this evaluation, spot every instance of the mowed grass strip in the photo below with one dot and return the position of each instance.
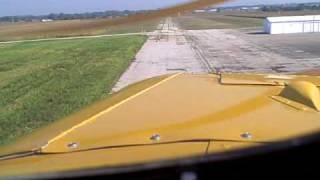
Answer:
(66, 28)
(216, 21)
(41, 82)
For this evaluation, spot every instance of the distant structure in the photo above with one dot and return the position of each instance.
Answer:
(199, 11)
(213, 10)
(46, 20)
(292, 24)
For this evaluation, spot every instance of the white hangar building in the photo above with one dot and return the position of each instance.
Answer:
(292, 24)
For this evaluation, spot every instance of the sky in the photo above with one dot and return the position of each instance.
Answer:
(40, 7)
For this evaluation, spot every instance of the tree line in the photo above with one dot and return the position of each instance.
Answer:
(64, 16)
(292, 7)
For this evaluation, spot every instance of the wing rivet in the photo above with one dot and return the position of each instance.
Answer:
(73, 145)
(155, 137)
(246, 135)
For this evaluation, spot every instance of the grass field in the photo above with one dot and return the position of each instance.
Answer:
(231, 20)
(215, 21)
(41, 82)
(272, 14)
(66, 28)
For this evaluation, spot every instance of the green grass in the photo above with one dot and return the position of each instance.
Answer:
(215, 21)
(231, 20)
(41, 82)
(262, 15)
(39, 30)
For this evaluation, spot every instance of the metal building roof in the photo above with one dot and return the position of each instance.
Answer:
(293, 18)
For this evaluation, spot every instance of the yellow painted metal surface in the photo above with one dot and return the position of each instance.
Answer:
(218, 147)
(103, 157)
(303, 92)
(188, 114)
(41, 137)
(266, 79)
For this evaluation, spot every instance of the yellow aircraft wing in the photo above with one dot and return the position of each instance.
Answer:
(170, 117)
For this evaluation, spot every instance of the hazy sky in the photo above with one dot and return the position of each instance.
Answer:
(37, 7)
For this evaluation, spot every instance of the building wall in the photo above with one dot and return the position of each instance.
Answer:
(292, 27)
(266, 27)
